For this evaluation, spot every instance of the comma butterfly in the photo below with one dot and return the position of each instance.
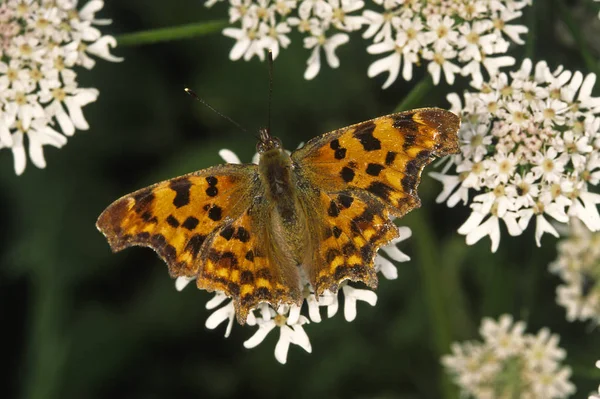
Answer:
(251, 230)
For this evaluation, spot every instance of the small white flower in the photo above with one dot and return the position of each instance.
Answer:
(290, 332)
(329, 45)
(38, 135)
(440, 62)
(548, 166)
(248, 42)
(224, 313)
(73, 99)
(386, 267)
(392, 62)
(351, 296)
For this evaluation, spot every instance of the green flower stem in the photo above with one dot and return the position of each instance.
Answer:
(531, 34)
(426, 248)
(417, 93)
(48, 348)
(172, 33)
(429, 261)
(586, 54)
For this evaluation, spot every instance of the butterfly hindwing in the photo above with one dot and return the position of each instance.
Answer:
(238, 261)
(354, 226)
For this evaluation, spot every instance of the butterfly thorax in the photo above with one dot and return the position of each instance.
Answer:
(275, 168)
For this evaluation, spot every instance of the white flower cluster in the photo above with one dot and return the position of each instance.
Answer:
(289, 319)
(450, 36)
(41, 42)
(529, 150)
(509, 363)
(578, 265)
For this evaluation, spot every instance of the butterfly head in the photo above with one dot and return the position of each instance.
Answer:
(266, 142)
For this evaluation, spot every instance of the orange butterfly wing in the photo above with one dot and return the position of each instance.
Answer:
(368, 173)
(204, 225)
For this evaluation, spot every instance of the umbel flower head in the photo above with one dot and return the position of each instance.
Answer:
(510, 363)
(41, 45)
(290, 320)
(578, 265)
(529, 152)
(448, 36)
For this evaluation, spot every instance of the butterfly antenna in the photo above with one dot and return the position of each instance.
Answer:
(270, 57)
(195, 96)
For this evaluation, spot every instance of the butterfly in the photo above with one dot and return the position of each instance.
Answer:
(256, 232)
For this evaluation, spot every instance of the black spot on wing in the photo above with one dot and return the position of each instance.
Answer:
(347, 174)
(337, 232)
(194, 244)
(147, 217)
(242, 234)
(364, 134)
(182, 191)
(212, 191)
(143, 200)
(264, 273)
(339, 152)
(405, 122)
(215, 213)
(333, 209)
(212, 181)
(190, 223)
(380, 189)
(172, 221)
(374, 169)
(390, 157)
(247, 277)
(345, 200)
(331, 255)
(227, 232)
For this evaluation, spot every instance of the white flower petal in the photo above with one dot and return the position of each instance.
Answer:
(229, 156)
(182, 281)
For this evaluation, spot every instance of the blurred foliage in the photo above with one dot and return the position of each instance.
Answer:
(81, 322)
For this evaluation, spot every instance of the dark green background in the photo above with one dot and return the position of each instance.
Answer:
(81, 322)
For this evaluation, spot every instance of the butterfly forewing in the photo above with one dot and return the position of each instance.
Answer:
(176, 217)
(384, 156)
